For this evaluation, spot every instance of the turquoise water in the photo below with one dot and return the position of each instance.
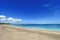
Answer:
(55, 27)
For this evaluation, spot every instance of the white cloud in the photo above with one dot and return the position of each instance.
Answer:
(2, 16)
(9, 20)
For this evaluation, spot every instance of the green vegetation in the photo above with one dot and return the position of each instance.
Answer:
(4, 23)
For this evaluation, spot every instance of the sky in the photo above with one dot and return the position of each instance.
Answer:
(31, 11)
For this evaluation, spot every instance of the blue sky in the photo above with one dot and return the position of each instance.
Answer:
(32, 11)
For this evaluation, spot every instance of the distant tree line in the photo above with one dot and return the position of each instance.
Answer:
(4, 23)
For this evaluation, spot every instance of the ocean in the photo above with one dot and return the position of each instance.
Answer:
(54, 27)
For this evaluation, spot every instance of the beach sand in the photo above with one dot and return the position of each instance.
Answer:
(11, 33)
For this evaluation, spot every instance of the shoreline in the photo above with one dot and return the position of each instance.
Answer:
(31, 29)
(35, 28)
(28, 33)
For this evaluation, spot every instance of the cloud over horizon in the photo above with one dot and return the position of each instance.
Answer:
(4, 19)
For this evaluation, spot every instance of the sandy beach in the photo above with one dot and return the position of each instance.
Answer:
(11, 33)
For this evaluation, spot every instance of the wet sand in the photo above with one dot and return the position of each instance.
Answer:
(10, 33)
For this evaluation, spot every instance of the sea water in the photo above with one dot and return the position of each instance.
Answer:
(53, 27)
